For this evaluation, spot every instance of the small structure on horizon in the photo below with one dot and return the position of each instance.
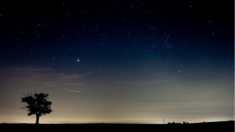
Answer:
(185, 122)
(173, 123)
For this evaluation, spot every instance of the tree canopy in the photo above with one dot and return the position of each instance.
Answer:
(37, 104)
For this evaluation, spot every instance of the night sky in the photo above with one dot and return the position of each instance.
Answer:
(132, 61)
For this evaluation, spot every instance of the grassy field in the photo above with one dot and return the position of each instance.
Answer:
(200, 127)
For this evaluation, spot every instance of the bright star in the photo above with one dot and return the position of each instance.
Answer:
(78, 60)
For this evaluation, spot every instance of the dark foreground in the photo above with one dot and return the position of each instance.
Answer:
(200, 127)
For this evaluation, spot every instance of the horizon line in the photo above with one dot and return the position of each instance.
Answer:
(126, 123)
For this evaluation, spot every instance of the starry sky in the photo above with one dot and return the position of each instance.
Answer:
(132, 61)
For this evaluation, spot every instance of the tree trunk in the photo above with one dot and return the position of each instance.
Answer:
(37, 119)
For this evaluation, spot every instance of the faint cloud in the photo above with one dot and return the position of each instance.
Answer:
(50, 85)
(75, 91)
(70, 77)
(27, 69)
(156, 81)
(72, 84)
(34, 78)
(110, 89)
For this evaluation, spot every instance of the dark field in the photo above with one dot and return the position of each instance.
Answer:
(200, 127)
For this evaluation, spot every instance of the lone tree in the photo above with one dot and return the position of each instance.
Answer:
(37, 104)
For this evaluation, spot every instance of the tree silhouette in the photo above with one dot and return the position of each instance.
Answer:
(37, 104)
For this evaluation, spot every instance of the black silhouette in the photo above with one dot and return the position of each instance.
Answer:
(37, 104)
(226, 126)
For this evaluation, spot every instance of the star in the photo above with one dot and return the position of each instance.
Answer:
(78, 60)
